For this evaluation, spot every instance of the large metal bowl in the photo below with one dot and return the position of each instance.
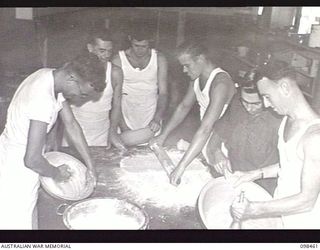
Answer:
(104, 214)
(216, 198)
(78, 187)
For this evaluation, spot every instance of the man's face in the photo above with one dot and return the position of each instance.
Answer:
(251, 102)
(191, 66)
(140, 48)
(102, 49)
(77, 91)
(270, 92)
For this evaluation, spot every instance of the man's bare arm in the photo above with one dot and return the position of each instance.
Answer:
(117, 80)
(310, 186)
(163, 87)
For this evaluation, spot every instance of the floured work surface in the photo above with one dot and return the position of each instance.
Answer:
(143, 177)
(110, 183)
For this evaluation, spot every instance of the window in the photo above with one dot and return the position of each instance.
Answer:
(309, 16)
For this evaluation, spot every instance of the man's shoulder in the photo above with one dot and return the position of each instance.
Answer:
(235, 111)
(40, 79)
(311, 139)
(313, 132)
(223, 79)
(116, 72)
(116, 60)
(115, 68)
(223, 75)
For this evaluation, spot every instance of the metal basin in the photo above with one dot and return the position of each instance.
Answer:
(216, 198)
(104, 214)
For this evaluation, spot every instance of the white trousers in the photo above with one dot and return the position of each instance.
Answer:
(18, 187)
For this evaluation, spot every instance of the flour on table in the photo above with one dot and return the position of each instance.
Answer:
(145, 181)
(102, 220)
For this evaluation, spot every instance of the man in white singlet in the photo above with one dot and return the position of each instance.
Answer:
(212, 88)
(296, 195)
(100, 127)
(144, 94)
(33, 111)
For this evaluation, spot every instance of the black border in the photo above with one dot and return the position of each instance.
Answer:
(154, 3)
(159, 236)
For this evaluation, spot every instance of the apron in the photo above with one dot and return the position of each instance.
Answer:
(16, 201)
(93, 117)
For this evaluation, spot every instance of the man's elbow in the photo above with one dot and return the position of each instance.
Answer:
(308, 203)
(30, 161)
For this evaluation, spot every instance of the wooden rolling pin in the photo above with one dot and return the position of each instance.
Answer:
(164, 159)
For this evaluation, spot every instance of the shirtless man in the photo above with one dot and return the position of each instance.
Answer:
(296, 195)
(144, 94)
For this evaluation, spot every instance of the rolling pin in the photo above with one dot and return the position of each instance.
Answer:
(164, 159)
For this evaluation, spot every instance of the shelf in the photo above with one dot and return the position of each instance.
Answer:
(303, 73)
(306, 51)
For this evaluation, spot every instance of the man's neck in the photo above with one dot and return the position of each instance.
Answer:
(139, 58)
(209, 67)
(301, 111)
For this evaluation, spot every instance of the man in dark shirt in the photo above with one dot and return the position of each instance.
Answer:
(249, 133)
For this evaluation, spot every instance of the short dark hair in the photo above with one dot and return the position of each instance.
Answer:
(89, 68)
(192, 48)
(250, 88)
(102, 33)
(276, 71)
(141, 33)
(249, 81)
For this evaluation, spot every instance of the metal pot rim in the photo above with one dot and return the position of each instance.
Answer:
(67, 210)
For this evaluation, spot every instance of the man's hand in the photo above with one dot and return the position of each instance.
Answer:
(154, 125)
(222, 164)
(239, 208)
(91, 177)
(64, 173)
(242, 177)
(116, 141)
(175, 176)
(159, 140)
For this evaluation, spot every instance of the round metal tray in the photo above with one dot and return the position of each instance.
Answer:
(105, 213)
(76, 188)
